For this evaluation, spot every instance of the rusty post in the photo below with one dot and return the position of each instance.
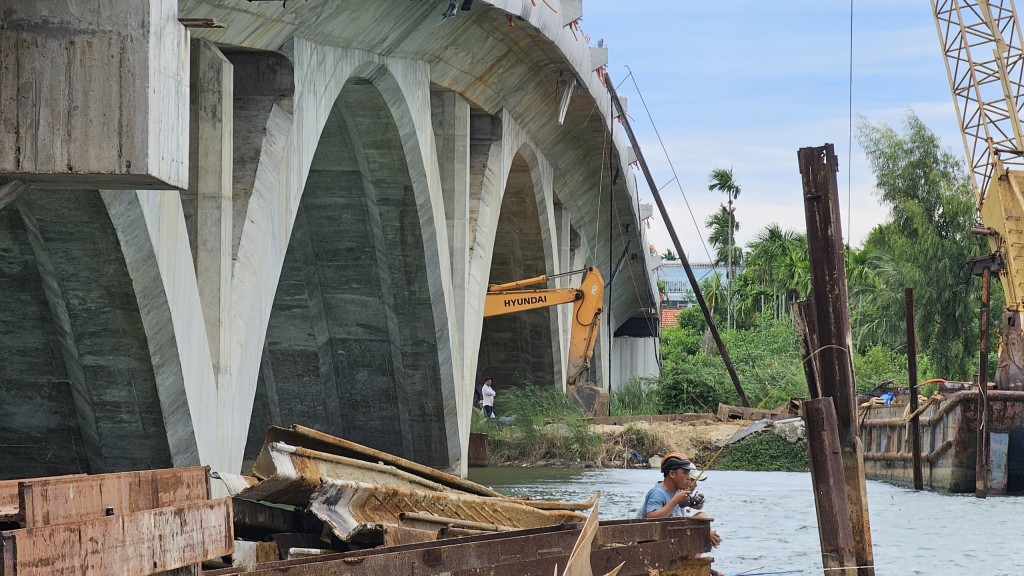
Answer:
(981, 471)
(915, 422)
(834, 528)
(675, 242)
(803, 318)
(818, 167)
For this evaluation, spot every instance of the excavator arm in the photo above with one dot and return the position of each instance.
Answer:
(587, 303)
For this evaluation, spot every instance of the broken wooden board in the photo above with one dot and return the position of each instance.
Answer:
(356, 509)
(315, 440)
(62, 500)
(141, 543)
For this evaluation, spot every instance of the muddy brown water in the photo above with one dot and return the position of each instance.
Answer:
(768, 523)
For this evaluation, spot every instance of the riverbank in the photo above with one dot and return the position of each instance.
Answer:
(575, 443)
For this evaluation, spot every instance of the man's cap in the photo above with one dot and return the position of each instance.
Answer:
(676, 461)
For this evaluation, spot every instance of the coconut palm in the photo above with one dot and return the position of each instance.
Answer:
(722, 180)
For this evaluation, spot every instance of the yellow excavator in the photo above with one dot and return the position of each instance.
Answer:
(587, 301)
(981, 40)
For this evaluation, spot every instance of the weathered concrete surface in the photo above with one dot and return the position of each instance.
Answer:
(94, 90)
(360, 173)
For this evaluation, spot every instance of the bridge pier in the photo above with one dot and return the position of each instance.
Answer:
(285, 221)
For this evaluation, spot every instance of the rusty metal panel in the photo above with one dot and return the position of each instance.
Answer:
(9, 494)
(73, 499)
(142, 543)
(315, 440)
(662, 542)
(290, 474)
(356, 508)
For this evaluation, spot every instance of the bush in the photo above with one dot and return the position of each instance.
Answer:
(765, 452)
(617, 448)
(695, 386)
(636, 397)
(544, 427)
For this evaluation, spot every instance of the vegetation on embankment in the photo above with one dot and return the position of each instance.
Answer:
(538, 427)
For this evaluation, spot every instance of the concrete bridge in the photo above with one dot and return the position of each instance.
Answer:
(294, 219)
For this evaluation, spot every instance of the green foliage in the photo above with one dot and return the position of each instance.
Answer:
(679, 339)
(695, 385)
(636, 397)
(877, 365)
(924, 246)
(545, 428)
(764, 452)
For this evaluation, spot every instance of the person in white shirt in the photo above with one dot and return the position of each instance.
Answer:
(488, 401)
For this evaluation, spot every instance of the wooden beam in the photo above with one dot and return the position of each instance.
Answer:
(823, 448)
(143, 543)
(45, 502)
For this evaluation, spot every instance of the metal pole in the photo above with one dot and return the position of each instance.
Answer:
(915, 422)
(835, 529)
(806, 328)
(675, 242)
(981, 471)
(818, 167)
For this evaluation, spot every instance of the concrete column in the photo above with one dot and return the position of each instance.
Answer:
(9, 191)
(207, 203)
(450, 118)
(94, 94)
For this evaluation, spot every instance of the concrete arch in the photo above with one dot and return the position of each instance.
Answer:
(82, 359)
(293, 132)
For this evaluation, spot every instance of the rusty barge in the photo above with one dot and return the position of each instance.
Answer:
(949, 432)
(322, 505)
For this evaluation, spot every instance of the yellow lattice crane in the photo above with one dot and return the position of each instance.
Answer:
(981, 40)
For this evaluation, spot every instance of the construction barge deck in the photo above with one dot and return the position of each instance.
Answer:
(949, 438)
(323, 506)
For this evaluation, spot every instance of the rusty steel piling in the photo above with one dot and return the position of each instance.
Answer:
(915, 420)
(818, 168)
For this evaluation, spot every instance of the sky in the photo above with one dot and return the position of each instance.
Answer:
(745, 84)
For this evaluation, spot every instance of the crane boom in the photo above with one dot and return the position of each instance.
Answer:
(981, 40)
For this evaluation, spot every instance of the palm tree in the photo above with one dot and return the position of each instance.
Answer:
(720, 235)
(722, 180)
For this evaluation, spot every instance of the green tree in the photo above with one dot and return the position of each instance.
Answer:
(722, 180)
(926, 243)
(669, 256)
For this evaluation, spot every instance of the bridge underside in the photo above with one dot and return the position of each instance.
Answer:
(292, 219)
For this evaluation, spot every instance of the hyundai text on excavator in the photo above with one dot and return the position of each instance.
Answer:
(587, 301)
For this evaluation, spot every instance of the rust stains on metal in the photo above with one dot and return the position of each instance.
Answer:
(315, 440)
(141, 543)
(669, 546)
(357, 509)
(62, 500)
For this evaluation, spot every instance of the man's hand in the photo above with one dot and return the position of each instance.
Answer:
(715, 539)
(680, 497)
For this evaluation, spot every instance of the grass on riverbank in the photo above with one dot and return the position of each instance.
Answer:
(543, 428)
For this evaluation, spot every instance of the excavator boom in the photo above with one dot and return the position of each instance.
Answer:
(587, 301)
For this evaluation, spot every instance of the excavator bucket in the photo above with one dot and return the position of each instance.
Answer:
(593, 401)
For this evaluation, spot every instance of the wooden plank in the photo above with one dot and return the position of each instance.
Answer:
(9, 505)
(51, 501)
(141, 543)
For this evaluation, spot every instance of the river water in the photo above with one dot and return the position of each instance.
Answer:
(768, 524)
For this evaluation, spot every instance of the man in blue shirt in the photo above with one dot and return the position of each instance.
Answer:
(673, 496)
